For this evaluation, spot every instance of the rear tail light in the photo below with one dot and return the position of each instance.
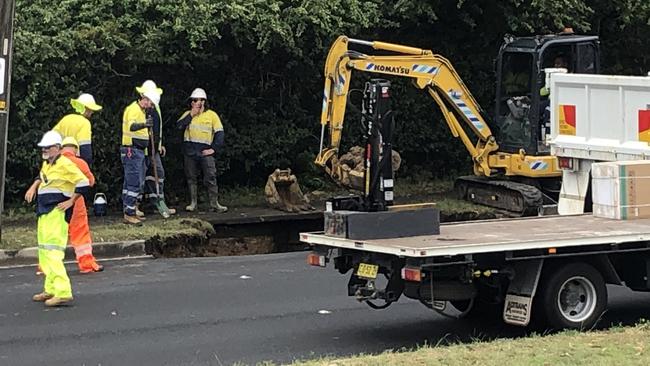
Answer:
(565, 163)
(316, 260)
(411, 274)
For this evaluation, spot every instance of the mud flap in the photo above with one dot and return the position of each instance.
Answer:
(517, 308)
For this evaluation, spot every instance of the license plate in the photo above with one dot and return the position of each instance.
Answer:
(367, 270)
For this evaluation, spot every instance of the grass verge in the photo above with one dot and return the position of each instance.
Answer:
(108, 230)
(616, 346)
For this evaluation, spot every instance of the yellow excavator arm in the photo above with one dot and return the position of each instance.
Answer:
(428, 71)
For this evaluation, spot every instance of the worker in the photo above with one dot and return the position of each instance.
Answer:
(79, 230)
(202, 140)
(155, 150)
(78, 125)
(516, 81)
(135, 140)
(59, 185)
(560, 61)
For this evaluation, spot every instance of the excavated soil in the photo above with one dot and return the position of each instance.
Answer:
(184, 245)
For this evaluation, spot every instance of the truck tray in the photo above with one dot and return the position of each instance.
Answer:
(500, 235)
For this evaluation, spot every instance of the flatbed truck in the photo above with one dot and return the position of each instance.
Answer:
(551, 270)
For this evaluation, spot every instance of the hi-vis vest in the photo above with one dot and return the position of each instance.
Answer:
(77, 126)
(202, 128)
(133, 114)
(59, 181)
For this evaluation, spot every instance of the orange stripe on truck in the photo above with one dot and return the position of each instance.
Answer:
(567, 120)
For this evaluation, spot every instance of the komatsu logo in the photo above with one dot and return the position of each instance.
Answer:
(392, 69)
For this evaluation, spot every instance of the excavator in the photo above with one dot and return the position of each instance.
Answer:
(513, 169)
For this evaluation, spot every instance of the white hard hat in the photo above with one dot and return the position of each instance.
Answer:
(148, 85)
(152, 95)
(50, 138)
(198, 93)
(84, 101)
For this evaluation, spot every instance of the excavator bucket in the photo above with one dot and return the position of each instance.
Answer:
(352, 165)
(283, 193)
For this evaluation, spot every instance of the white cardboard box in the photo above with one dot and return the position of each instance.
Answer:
(621, 190)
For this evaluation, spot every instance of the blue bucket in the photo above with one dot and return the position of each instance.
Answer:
(99, 204)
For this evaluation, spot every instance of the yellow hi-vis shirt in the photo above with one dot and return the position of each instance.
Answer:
(202, 128)
(134, 114)
(59, 181)
(77, 126)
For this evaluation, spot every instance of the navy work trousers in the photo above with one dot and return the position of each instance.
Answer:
(133, 161)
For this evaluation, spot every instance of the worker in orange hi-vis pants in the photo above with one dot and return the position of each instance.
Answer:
(79, 231)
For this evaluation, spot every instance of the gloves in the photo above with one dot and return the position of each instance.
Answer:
(139, 126)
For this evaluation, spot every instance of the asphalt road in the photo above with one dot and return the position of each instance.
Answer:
(220, 311)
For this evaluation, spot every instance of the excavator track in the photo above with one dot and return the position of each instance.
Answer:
(518, 198)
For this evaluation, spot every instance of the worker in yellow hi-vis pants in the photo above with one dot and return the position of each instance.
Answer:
(52, 240)
(59, 184)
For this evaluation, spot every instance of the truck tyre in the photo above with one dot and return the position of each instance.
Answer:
(572, 296)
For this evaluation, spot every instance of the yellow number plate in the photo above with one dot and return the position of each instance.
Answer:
(367, 270)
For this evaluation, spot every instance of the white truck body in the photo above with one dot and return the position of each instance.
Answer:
(596, 118)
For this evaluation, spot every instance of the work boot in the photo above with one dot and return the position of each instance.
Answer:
(139, 214)
(132, 220)
(162, 208)
(43, 296)
(215, 206)
(88, 264)
(218, 208)
(57, 301)
(95, 268)
(193, 198)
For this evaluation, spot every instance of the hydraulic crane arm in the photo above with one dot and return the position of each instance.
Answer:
(428, 71)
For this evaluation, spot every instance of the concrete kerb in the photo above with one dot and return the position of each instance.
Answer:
(100, 250)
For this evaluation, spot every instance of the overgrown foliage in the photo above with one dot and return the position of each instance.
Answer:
(261, 62)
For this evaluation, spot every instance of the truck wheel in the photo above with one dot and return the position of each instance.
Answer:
(573, 296)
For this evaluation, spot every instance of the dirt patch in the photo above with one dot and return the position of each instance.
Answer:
(202, 242)
(185, 246)
(239, 246)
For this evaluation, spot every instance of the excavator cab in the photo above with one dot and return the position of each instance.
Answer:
(522, 118)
